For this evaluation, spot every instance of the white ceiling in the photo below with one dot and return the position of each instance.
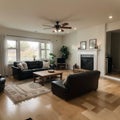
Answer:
(31, 15)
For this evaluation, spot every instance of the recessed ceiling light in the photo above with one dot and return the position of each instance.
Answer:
(110, 17)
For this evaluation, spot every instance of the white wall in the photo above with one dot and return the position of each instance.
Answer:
(113, 26)
(73, 42)
(55, 39)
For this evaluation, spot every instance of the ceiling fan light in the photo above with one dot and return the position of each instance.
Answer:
(59, 30)
(55, 30)
(75, 28)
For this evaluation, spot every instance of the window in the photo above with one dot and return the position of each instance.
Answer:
(42, 47)
(45, 50)
(25, 50)
(48, 49)
(28, 50)
(11, 53)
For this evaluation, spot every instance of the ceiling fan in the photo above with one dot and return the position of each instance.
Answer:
(58, 27)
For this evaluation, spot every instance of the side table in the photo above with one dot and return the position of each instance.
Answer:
(61, 66)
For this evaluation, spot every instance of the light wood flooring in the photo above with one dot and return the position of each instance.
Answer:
(103, 104)
(114, 74)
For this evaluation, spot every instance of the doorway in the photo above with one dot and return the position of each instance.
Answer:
(113, 53)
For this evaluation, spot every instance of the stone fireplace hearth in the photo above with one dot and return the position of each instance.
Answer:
(88, 59)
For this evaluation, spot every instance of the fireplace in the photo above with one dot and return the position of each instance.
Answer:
(87, 61)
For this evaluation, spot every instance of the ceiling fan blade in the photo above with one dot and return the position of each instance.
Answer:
(47, 19)
(47, 25)
(66, 27)
(48, 28)
(64, 24)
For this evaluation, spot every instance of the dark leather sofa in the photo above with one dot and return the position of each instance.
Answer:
(2, 83)
(33, 66)
(76, 84)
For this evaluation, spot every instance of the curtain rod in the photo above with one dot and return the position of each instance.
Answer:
(28, 37)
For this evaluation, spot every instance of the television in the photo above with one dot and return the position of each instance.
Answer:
(60, 60)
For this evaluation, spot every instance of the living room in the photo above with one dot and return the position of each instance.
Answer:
(22, 22)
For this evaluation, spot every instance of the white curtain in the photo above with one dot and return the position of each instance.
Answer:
(3, 55)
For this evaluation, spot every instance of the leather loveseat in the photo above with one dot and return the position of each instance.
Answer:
(32, 66)
(76, 84)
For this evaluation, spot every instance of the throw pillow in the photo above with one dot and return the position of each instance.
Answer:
(20, 65)
(45, 64)
(25, 65)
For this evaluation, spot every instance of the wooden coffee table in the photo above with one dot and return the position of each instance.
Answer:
(42, 75)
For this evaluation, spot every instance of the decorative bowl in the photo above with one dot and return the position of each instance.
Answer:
(51, 71)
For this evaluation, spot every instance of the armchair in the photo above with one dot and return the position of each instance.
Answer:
(2, 83)
(76, 84)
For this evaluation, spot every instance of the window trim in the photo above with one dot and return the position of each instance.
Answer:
(18, 57)
(10, 48)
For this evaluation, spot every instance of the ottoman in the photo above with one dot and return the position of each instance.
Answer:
(2, 83)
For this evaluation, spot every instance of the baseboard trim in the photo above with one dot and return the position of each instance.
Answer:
(112, 78)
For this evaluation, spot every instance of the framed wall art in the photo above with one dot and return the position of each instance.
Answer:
(92, 43)
(83, 45)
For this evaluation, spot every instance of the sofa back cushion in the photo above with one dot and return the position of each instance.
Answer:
(25, 65)
(83, 81)
(46, 64)
(40, 64)
(20, 65)
(34, 64)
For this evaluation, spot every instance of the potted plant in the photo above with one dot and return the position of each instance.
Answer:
(65, 52)
(52, 60)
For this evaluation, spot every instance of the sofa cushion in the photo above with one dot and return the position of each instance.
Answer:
(38, 69)
(45, 64)
(40, 64)
(25, 65)
(34, 64)
(27, 71)
(20, 65)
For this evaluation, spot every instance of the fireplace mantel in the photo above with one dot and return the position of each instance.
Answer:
(93, 52)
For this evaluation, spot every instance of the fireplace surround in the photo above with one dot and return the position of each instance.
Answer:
(90, 56)
(87, 61)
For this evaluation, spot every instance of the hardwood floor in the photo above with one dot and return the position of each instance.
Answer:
(104, 104)
(114, 74)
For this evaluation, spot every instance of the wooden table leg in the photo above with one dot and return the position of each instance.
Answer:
(42, 81)
(34, 78)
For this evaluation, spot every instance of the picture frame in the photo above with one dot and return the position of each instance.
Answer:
(93, 43)
(83, 45)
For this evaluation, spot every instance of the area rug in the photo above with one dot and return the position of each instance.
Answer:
(25, 91)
